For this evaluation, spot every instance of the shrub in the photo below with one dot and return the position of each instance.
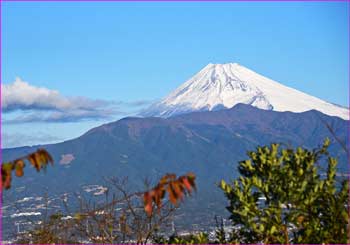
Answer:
(283, 196)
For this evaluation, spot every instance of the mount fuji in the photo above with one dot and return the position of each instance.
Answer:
(219, 86)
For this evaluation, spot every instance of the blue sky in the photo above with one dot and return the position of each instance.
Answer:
(124, 54)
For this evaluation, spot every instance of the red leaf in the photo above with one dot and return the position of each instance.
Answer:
(178, 189)
(19, 165)
(172, 194)
(148, 203)
(187, 184)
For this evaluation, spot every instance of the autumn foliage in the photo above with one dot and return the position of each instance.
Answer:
(39, 160)
(123, 217)
(177, 188)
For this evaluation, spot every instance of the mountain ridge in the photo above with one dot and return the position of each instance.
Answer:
(219, 86)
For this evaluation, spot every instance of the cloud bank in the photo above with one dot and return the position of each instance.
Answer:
(18, 139)
(41, 104)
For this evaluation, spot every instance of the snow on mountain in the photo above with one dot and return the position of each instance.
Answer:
(219, 86)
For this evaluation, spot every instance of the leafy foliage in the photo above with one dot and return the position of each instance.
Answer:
(38, 160)
(282, 197)
(176, 189)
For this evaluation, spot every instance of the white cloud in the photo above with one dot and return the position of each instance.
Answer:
(28, 103)
(20, 95)
(39, 104)
(62, 116)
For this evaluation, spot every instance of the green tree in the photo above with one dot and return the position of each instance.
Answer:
(283, 196)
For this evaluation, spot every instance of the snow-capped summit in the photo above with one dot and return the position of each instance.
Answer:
(219, 86)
